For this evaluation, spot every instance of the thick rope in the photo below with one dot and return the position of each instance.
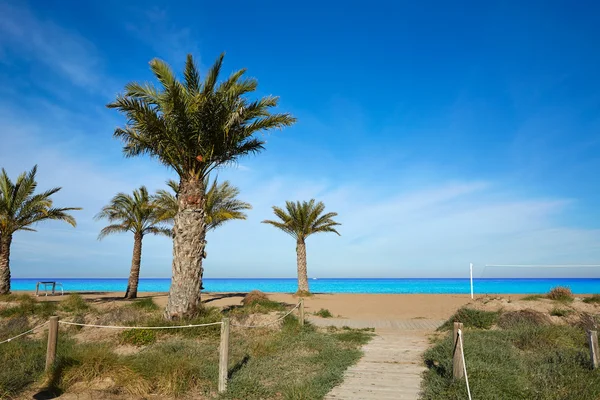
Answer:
(23, 334)
(268, 323)
(462, 353)
(138, 327)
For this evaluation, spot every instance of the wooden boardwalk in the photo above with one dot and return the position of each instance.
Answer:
(391, 367)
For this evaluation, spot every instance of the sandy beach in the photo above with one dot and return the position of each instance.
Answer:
(352, 306)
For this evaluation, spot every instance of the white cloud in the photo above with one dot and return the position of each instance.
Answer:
(65, 52)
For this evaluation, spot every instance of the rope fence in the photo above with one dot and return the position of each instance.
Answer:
(24, 333)
(54, 322)
(268, 323)
(464, 364)
(138, 327)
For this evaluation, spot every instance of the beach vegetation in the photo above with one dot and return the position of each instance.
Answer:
(21, 208)
(472, 318)
(193, 126)
(146, 303)
(27, 306)
(254, 296)
(509, 319)
(533, 297)
(324, 313)
(300, 220)
(519, 361)
(561, 293)
(257, 302)
(594, 299)
(138, 337)
(560, 312)
(74, 303)
(291, 362)
(139, 215)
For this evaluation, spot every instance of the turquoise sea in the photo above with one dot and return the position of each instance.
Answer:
(288, 285)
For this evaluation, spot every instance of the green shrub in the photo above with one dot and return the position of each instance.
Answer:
(147, 303)
(532, 297)
(472, 318)
(22, 362)
(206, 315)
(560, 293)
(257, 302)
(254, 296)
(138, 337)
(595, 299)
(560, 312)
(28, 307)
(74, 303)
(511, 319)
(525, 362)
(356, 336)
(324, 313)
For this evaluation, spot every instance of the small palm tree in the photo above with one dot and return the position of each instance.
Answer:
(193, 126)
(20, 210)
(137, 214)
(221, 205)
(300, 220)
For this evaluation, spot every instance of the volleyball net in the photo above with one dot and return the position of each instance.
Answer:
(533, 278)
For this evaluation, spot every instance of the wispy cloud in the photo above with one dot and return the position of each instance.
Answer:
(63, 51)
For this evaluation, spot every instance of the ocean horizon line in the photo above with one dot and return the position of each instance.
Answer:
(316, 278)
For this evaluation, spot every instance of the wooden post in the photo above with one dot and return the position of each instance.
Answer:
(224, 355)
(52, 342)
(301, 312)
(457, 363)
(593, 342)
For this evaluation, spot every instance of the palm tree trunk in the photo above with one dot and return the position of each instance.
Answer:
(136, 261)
(189, 231)
(301, 260)
(5, 264)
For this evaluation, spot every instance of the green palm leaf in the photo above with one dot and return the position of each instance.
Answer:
(21, 209)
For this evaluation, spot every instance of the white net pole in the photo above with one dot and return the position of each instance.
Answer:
(471, 273)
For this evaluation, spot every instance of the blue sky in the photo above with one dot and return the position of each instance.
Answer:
(442, 133)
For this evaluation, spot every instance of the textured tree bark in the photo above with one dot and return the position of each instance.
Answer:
(301, 260)
(189, 232)
(136, 262)
(5, 264)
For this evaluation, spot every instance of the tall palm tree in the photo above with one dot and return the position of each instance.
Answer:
(20, 210)
(193, 126)
(137, 214)
(300, 220)
(221, 205)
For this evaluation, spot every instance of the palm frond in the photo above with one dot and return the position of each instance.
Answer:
(111, 230)
(138, 213)
(195, 126)
(302, 219)
(21, 207)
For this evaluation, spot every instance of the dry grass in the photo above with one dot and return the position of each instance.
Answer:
(254, 296)
(291, 362)
(560, 293)
(511, 319)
